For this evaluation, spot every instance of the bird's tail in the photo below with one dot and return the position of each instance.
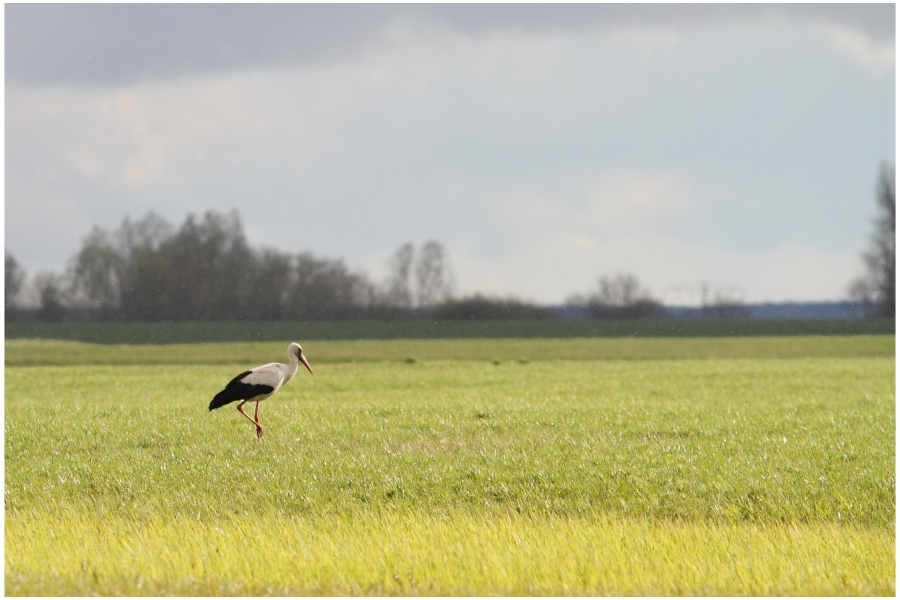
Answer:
(224, 397)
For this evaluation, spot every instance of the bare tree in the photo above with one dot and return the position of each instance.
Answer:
(270, 285)
(14, 277)
(110, 271)
(623, 289)
(430, 267)
(97, 273)
(209, 265)
(399, 292)
(48, 286)
(433, 274)
(618, 297)
(325, 289)
(146, 234)
(877, 287)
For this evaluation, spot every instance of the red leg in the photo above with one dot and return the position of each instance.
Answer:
(258, 426)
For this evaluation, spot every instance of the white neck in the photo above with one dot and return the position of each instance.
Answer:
(292, 368)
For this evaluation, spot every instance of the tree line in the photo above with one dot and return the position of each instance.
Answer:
(205, 270)
(876, 289)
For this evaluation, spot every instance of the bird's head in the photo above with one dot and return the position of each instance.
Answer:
(297, 351)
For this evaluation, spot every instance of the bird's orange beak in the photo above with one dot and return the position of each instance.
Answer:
(306, 364)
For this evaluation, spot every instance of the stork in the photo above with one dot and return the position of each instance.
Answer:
(260, 383)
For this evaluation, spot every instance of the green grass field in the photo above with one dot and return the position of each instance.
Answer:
(635, 466)
(268, 331)
(26, 352)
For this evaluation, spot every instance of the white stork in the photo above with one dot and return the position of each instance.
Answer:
(260, 383)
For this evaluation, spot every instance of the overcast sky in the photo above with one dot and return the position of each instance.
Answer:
(543, 144)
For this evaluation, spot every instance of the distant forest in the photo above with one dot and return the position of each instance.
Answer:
(148, 271)
(206, 271)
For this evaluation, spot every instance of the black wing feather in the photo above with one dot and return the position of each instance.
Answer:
(236, 390)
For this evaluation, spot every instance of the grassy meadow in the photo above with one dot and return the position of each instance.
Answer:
(720, 466)
(269, 331)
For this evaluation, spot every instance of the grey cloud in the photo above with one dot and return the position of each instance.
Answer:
(118, 43)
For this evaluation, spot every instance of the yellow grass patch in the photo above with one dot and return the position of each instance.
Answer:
(455, 553)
